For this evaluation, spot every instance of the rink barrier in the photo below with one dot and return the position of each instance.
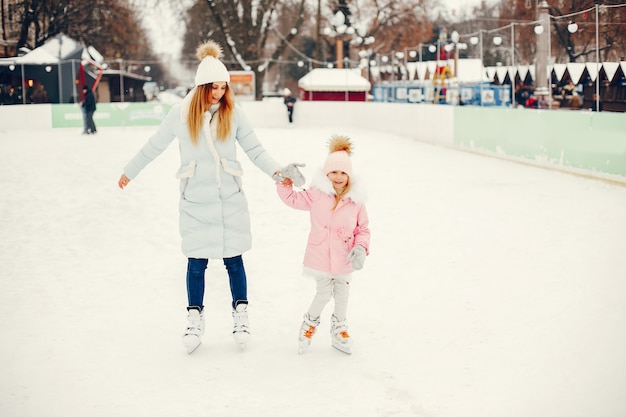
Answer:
(581, 142)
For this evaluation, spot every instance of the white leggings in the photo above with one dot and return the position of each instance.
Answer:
(327, 287)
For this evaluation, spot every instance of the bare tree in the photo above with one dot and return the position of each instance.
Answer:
(246, 30)
(569, 46)
(581, 43)
(396, 24)
(111, 26)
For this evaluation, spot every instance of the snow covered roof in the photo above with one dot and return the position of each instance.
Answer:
(574, 69)
(94, 54)
(469, 70)
(59, 48)
(334, 79)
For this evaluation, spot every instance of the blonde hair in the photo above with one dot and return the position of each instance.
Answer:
(339, 196)
(200, 104)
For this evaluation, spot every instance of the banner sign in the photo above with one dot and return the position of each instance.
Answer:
(243, 85)
(111, 114)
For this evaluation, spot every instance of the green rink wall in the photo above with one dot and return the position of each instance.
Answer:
(576, 141)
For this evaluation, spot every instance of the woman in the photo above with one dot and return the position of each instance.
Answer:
(214, 218)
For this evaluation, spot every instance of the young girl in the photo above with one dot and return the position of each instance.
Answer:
(338, 241)
(214, 219)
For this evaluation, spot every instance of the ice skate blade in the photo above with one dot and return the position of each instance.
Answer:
(191, 343)
(343, 349)
(192, 350)
(241, 338)
(303, 346)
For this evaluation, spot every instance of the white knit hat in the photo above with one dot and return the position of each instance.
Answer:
(286, 92)
(339, 158)
(211, 69)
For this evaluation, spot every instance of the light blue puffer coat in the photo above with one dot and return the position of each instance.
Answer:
(214, 218)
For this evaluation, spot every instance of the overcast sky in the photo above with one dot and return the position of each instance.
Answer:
(456, 4)
(167, 32)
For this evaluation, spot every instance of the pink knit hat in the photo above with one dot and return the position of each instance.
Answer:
(339, 158)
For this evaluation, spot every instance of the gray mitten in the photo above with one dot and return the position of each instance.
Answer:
(357, 257)
(292, 172)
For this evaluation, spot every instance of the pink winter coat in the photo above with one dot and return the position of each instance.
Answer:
(333, 232)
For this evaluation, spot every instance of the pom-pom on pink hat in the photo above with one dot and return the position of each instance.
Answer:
(211, 69)
(339, 158)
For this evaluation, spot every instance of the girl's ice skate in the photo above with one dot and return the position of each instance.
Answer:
(195, 329)
(241, 332)
(307, 330)
(340, 337)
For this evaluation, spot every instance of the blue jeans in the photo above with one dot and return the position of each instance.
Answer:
(236, 275)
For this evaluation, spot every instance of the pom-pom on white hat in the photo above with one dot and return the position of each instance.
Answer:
(211, 69)
(339, 159)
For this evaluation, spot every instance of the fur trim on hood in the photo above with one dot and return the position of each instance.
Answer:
(357, 191)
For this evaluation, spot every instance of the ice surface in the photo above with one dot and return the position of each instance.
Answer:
(492, 288)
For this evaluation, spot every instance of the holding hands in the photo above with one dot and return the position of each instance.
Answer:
(290, 172)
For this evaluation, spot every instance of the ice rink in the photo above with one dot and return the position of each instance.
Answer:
(493, 289)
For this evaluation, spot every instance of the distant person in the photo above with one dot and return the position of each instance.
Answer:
(39, 95)
(89, 107)
(596, 105)
(569, 89)
(290, 102)
(12, 97)
(542, 103)
(214, 219)
(522, 95)
(575, 102)
(338, 241)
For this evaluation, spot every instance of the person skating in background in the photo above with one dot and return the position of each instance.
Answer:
(290, 103)
(88, 106)
(214, 218)
(338, 242)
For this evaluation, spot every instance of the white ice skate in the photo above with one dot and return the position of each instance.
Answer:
(241, 331)
(195, 329)
(340, 337)
(307, 330)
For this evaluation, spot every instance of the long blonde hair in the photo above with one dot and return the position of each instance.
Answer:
(339, 196)
(200, 104)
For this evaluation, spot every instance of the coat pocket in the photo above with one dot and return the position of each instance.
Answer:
(317, 236)
(186, 171)
(184, 174)
(345, 238)
(233, 167)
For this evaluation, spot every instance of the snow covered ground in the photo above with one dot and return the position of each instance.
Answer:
(492, 289)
